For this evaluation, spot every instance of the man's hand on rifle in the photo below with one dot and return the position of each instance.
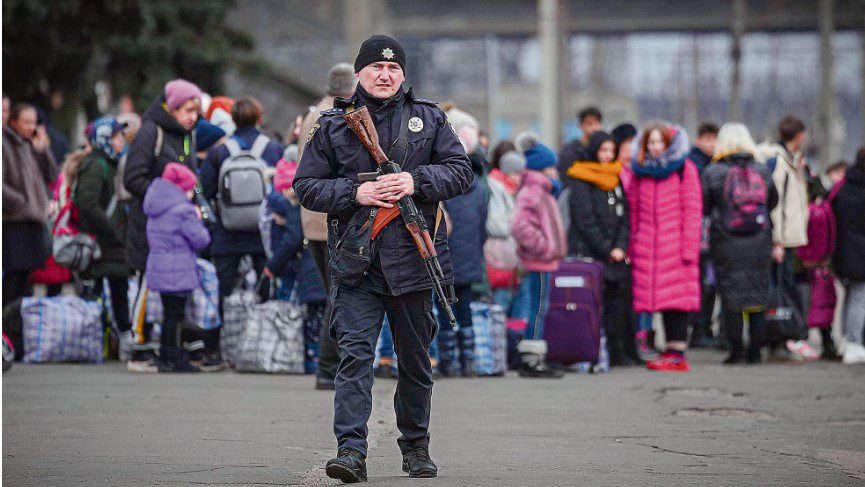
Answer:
(397, 185)
(374, 193)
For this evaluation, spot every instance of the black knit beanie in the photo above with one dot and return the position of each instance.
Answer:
(379, 48)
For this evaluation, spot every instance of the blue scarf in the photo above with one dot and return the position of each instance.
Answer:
(657, 171)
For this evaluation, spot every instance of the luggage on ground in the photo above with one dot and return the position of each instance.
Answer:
(235, 312)
(491, 342)
(62, 329)
(572, 327)
(273, 339)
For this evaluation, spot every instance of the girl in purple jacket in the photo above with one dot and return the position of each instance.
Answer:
(174, 233)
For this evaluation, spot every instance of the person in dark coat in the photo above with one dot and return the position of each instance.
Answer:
(598, 206)
(95, 197)
(468, 216)
(704, 146)
(849, 257)
(577, 150)
(743, 262)
(395, 280)
(165, 136)
(28, 168)
(229, 247)
(292, 262)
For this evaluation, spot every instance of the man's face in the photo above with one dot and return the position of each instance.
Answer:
(381, 79)
(590, 125)
(186, 114)
(706, 143)
(25, 125)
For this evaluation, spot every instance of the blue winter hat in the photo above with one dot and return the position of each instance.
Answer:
(100, 132)
(206, 134)
(540, 157)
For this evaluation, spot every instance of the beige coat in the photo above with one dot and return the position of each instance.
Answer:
(314, 223)
(26, 174)
(790, 216)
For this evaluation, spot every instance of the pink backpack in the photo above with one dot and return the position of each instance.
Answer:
(821, 230)
(745, 192)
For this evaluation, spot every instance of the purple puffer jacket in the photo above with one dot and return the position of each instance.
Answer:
(174, 234)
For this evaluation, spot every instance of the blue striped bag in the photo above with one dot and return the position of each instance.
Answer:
(62, 329)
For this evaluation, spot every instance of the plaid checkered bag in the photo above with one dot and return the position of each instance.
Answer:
(62, 329)
(491, 342)
(202, 310)
(235, 312)
(273, 340)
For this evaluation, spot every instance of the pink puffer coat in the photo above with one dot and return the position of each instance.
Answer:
(537, 225)
(665, 241)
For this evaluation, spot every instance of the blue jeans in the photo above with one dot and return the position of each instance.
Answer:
(504, 297)
(532, 302)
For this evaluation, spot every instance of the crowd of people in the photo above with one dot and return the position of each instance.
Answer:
(674, 225)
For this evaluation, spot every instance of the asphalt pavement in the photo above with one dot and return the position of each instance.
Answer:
(774, 424)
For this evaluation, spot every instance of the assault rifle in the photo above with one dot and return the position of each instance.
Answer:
(362, 125)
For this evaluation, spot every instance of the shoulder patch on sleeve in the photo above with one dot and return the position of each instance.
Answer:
(312, 130)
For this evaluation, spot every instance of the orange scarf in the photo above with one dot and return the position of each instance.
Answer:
(603, 175)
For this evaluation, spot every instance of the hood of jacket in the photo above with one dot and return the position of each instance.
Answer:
(676, 152)
(160, 116)
(163, 196)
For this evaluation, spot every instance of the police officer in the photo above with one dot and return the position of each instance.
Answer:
(435, 168)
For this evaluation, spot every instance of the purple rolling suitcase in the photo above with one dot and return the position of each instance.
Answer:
(572, 327)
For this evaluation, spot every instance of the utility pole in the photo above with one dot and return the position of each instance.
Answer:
(550, 44)
(825, 117)
(491, 42)
(737, 28)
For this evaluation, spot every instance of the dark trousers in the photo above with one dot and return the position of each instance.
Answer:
(226, 273)
(174, 306)
(357, 319)
(328, 356)
(618, 319)
(449, 340)
(15, 285)
(675, 325)
(734, 324)
(119, 287)
(701, 323)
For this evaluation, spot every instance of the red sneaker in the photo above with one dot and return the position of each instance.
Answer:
(669, 362)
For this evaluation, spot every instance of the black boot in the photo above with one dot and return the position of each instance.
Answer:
(174, 359)
(829, 351)
(754, 353)
(532, 362)
(467, 368)
(417, 463)
(348, 466)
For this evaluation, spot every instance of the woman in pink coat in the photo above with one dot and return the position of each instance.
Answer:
(537, 228)
(666, 208)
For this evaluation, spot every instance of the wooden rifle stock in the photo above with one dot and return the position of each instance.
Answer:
(360, 122)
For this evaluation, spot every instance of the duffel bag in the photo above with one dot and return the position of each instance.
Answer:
(62, 329)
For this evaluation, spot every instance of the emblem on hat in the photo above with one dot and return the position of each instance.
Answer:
(387, 53)
(415, 124)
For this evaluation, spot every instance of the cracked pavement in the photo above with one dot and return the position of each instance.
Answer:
(775, 424)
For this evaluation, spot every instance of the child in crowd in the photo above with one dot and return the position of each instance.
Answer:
(540, 236)
(174, 233)
(291, 261)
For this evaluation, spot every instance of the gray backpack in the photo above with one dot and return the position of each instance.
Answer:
(242, 186)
